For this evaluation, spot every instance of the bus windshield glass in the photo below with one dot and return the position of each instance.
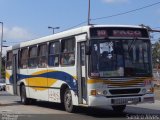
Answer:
(120, 58)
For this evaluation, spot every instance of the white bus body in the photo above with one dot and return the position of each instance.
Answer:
(35, 70)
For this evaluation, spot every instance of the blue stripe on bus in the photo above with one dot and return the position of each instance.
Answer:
(59, 75)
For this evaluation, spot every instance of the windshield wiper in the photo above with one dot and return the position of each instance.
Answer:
(130, 46)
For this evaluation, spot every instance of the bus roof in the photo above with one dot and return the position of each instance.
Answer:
(67, 33)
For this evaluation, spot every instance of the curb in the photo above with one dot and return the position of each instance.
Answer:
(3, 103)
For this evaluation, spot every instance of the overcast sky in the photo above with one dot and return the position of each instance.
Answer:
(29, 19)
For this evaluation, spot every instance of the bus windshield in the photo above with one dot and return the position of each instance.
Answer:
(120, 58)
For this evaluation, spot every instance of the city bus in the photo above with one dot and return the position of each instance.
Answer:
(91, 66)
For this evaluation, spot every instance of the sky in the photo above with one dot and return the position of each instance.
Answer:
(29, 19)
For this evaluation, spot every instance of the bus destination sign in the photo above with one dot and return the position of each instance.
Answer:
(118, 32)
(127, 33)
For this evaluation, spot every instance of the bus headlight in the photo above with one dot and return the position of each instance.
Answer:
(105, 92)
(99, 92)
(144, 90)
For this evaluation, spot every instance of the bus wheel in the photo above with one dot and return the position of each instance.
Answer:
(119, 108)
(24, 99)
(68, 101)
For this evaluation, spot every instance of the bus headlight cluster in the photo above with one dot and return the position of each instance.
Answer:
(102, 92)
(99, 92)
(148, 90)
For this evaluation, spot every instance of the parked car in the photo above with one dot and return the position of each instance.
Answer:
(2, 84)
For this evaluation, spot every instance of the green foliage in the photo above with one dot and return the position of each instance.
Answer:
(156, 54)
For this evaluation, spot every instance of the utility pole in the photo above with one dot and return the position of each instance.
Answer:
(1, 51)
(89, 10)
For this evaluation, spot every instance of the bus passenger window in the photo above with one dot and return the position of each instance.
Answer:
(32, 62)
(68, 52)
(54, 50)
(42, 54)
(9, 61)
(24, 58)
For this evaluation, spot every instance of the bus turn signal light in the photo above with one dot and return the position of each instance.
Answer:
(93, 92)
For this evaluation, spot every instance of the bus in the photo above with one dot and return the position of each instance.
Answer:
(91, 66)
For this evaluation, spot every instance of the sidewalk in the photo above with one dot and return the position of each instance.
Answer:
(7, 99)
(156, 75)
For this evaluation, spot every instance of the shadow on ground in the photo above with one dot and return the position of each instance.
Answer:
(101, 113)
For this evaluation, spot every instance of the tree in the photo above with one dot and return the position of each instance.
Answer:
(156, 54)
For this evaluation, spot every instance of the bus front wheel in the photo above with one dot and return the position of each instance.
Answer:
(24, 99)
(119, 108)
(68, 101)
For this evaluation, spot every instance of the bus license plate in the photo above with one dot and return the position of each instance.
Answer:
(121, 101)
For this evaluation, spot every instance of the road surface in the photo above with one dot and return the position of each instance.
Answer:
(11, 106)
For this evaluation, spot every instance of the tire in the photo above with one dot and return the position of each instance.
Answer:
(119, 108)
(24, 99)
(68, 101)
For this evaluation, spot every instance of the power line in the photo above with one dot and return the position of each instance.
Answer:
(118, 14)
(114, 15)
(76, 25)
(15, 42)
(130, 11)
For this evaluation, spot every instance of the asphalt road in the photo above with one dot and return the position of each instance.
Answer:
(10, 106)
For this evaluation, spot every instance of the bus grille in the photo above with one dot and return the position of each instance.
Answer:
(117, 83)
(125, 91)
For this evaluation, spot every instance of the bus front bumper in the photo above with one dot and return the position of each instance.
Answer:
(104, 101)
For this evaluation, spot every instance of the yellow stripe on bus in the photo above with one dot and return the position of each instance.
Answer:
(40, 83)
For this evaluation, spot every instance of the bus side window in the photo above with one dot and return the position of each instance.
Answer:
(54, 51)
(32, 62)
(9, 60)
(42, 54)
(68, 52)
(24, 58)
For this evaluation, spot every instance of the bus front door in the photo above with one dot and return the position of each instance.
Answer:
(14, 71)
(81, 73)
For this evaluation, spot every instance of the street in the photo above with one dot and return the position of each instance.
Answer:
(10, 105)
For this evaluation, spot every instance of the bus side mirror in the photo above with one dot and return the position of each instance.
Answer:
(88, 50)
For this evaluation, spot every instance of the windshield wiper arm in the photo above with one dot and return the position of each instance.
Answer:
(130, 46)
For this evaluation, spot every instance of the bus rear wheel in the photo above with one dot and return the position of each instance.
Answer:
(24, 99)
(68, 101)
(119, 108)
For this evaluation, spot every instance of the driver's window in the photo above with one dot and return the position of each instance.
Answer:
(107, 48)
(107, 57)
